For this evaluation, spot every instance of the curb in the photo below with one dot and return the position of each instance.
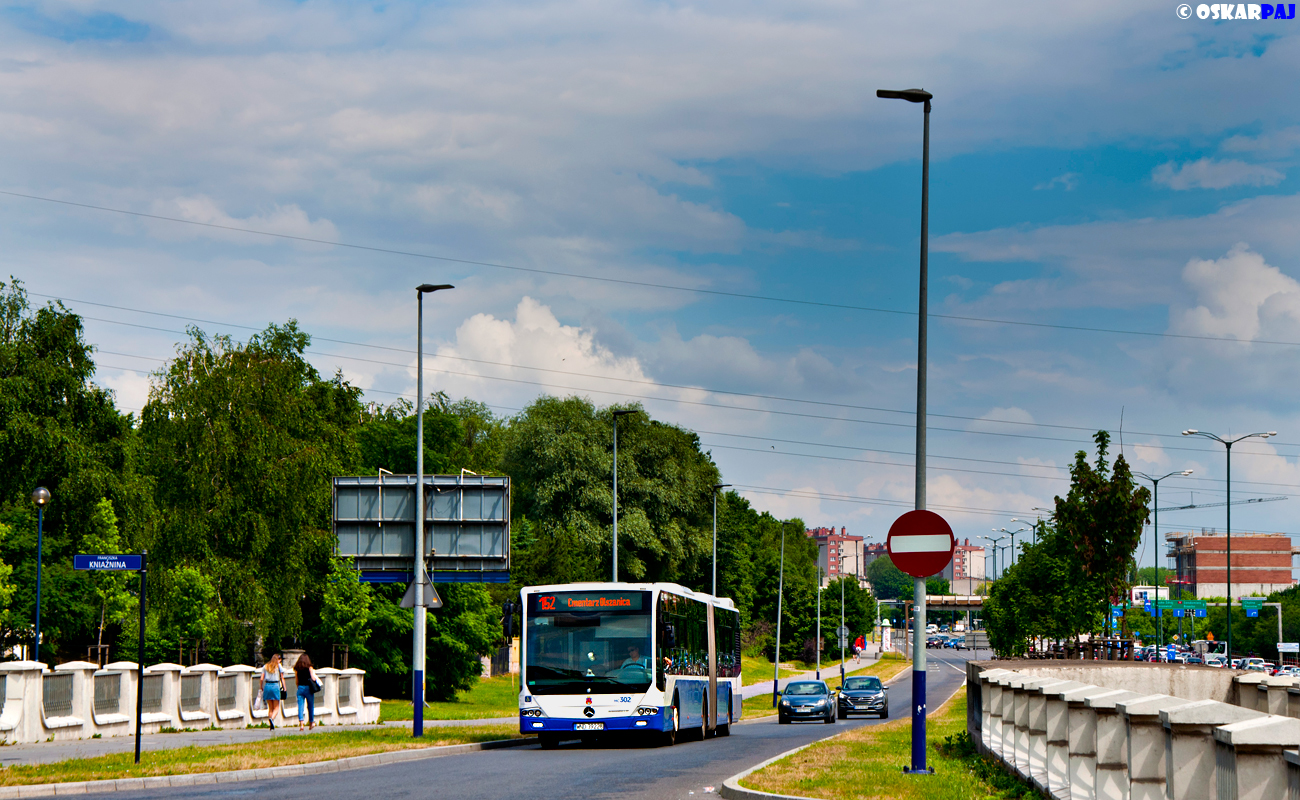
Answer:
(732, 790)
(263, 774)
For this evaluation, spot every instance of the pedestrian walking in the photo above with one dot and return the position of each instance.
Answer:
(272, 687)
(308, 686)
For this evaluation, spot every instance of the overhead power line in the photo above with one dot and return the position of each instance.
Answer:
(647, 383)
(643, 284)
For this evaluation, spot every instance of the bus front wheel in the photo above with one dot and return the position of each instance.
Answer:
(670, 735)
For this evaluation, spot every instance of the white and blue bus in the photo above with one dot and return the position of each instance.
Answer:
(615, 658)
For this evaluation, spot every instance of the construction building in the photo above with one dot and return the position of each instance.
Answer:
(1261, 562)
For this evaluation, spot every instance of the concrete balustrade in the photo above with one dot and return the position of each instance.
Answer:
(1220, 735)
(78, 700)
(1146, 744)
(1056, 712)
(1248, 757)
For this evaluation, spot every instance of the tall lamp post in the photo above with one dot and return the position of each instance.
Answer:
(417, 648)
(1228, 443)
(819, 622)
(40, 497)
(780, 587)
(994, 542)
(918, 597)
(618, 414)
(1012, 534)
(716, 488)
(1155, 535)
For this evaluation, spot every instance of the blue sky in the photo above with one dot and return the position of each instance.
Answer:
(1104, 165)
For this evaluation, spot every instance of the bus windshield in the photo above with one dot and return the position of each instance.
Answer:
(583, 642)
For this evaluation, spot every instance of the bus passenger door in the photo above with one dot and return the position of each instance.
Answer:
(712, 712)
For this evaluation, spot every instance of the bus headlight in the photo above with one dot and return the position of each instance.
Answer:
(531, 712)
(648, 711)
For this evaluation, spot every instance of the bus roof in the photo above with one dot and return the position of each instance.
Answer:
(719, 602)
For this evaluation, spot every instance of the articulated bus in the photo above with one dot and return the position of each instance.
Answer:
(624, 658)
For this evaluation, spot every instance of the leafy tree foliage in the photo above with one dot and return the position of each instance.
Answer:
(345, 608)
(58, 430)
(242, 440)
(888, 581)
(110, 587)
(1062, 586)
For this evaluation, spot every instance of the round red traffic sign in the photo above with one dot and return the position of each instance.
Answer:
(920, 543)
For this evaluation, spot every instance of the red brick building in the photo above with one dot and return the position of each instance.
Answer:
(1261, 562)
(838, 553)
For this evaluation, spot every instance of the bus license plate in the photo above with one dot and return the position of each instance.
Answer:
(589, 726)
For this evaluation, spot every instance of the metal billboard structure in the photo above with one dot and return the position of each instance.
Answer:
(466, 525)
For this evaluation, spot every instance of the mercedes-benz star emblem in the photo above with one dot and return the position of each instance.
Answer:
(589, 711)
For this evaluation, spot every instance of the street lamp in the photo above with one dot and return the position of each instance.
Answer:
(995, 551)
(716, 487)
(417, 648)
(1155, 534)
(918, 591)
(780, 586)
(618, 414)
(40, 497)
(1228, 443)
(819, 622)
(1013, 537)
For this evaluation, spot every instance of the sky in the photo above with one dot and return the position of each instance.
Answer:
(704, 209)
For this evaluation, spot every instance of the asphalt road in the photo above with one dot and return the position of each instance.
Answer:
(688, 770)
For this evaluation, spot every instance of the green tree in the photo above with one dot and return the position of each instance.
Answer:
(189, 612)
(888, 581)
(58, 430)
(345, 609)
(110, 587)
(242, 440)
(1062, 586)
(559, 453)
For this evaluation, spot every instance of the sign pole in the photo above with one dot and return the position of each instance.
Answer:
(139, 662)
(920, 543)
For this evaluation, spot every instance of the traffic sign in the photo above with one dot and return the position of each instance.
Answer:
(842, 630)
(1288, 647)
(126, 563)
(1252, 602)
(1198, 605)
(920, 543)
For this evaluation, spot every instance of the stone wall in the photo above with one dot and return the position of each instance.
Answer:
(78, 700)
(1102, 731)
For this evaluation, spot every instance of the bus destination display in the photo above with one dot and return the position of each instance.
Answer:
(569, 602)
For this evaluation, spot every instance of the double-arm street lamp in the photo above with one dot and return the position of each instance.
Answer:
(1155, 535)
(417, 654)
(1012, 534)
(780, 591)
(1228, 443)
(994, 543)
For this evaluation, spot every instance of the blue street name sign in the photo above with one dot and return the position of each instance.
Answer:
(127, 563)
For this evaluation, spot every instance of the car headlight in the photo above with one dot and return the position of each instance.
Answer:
(785, 702)
(819, 703)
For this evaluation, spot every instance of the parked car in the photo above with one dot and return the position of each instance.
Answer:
(866, 695)
(806, 700)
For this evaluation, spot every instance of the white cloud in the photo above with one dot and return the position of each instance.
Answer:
(1207, 173)
(1279, 142)
(1237, 296)
(1068, 181)
(288, 220)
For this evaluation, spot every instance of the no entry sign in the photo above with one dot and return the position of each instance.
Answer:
(920, 543)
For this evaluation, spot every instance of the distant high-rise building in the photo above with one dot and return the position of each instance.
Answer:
(839, 554)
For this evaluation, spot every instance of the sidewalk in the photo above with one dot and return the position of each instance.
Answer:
(48, 752)
(828, 671)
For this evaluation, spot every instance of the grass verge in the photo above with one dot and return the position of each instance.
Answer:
(868, 763)
(275, 752)
(756, 669)
(490, 697)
